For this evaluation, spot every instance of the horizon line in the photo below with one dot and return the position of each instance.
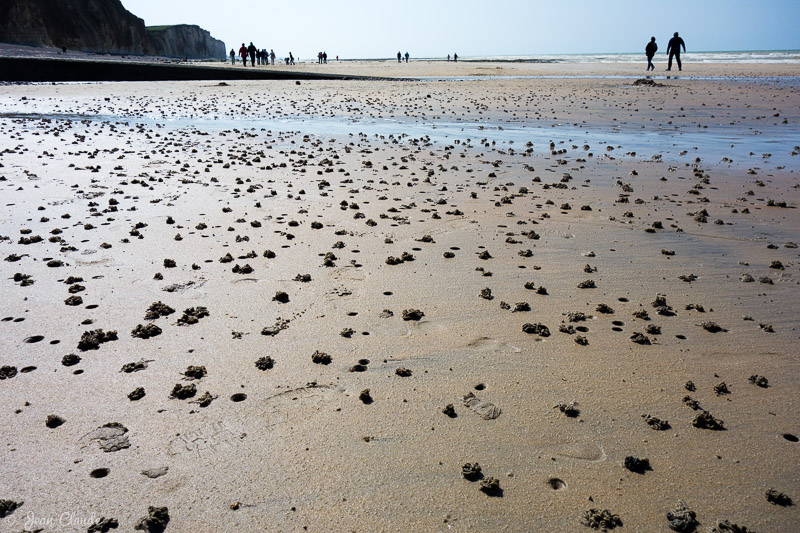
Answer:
(540, 54)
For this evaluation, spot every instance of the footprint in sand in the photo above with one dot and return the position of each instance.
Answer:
(585, 451)
(492, 345)
(205, 439)
(484, 409)
(245, 280)
(348, 274)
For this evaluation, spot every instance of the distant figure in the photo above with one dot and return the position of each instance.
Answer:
(243, 54)
(325, 57)
(272, 55)
(64, 50)
(407, 57)
(674, 49)
(291, 59)
(337, 59)
(319, 58)
(650, 50)
(455, 57)
(252, 50)
(399, 57)
(448, 57)
(233, 57)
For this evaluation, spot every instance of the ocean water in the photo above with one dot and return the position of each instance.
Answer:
(753, 56)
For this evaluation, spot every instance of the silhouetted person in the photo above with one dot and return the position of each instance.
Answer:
(64, 49)
(233, 57)
(291, 59)
(674, 49)
(272, 55)
(243, 54)
(252, 50)
(448, 57)
(399, 57)
(407, 56)
(455, 57)
(650, 50)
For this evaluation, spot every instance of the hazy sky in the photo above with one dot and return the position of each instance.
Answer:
(434, 28)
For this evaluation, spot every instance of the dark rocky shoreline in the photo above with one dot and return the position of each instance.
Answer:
(30, 69)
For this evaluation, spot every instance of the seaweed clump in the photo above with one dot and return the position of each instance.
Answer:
(601, 519)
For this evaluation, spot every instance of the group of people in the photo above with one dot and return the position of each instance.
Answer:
(673, 50)
(262, 57)
(257, 57)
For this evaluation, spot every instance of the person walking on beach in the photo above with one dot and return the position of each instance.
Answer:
(233, 57)
(252, 50)
(674, 49)
(407, 56)
(399, 56)
(448, 57)
(272, 55)
(291, 59)
(243, 54)
(650, 50)
(455, 57)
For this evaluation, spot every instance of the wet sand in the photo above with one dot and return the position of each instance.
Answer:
(574, 289)
(437, 68)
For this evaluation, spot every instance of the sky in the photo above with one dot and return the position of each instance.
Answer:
(435, 28)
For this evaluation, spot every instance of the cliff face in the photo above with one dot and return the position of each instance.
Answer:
(99, 26)
(185, 40)
(90, 25)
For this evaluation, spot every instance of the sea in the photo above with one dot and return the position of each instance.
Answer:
(748, 56)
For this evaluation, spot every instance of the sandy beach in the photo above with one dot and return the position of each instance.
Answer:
(470, 67)
(314, 306)
(440, 67)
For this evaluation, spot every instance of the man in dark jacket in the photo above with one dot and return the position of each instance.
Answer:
(674, 49)
(650, 50)
(252, 50)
